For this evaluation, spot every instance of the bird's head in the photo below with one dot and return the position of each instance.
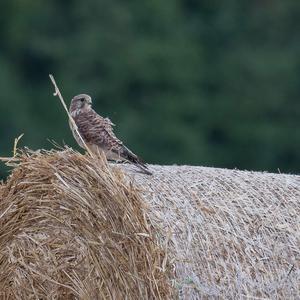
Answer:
(82, 101)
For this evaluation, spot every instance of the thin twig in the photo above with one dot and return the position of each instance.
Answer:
(9, 159)
(16, 144)
(13, 158)
(57, 93)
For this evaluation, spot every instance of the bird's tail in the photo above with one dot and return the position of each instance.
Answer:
(144, 168)
(131, 157)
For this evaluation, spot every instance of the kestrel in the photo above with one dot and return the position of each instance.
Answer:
(97, 133)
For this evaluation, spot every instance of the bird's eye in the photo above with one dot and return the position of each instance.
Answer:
(82, 99)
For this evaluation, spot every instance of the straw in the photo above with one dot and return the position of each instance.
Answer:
(72, 227)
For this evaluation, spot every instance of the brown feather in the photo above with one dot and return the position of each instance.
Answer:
(98, 131)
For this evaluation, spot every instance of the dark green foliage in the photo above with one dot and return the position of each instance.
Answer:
(187, 82)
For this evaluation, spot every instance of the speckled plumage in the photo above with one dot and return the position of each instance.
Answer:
(97, 132)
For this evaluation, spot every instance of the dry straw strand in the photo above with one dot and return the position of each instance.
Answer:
(59, 95)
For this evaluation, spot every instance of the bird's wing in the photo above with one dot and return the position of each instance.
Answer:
(97, 130)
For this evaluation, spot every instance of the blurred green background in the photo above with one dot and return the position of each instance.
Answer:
(213, 83)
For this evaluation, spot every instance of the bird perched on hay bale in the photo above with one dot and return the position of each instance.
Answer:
(97, 133)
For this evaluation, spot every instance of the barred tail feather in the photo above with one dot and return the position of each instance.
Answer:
(144, 168)
(131, 157)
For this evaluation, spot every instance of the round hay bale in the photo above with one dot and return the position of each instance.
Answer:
(233, 234)
(71, 228)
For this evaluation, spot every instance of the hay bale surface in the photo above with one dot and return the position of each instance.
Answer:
(70, 228)
(234, 234)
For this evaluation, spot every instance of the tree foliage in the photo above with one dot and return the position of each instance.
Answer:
(186, 81)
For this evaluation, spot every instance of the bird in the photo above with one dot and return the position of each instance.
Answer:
(97, 133)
